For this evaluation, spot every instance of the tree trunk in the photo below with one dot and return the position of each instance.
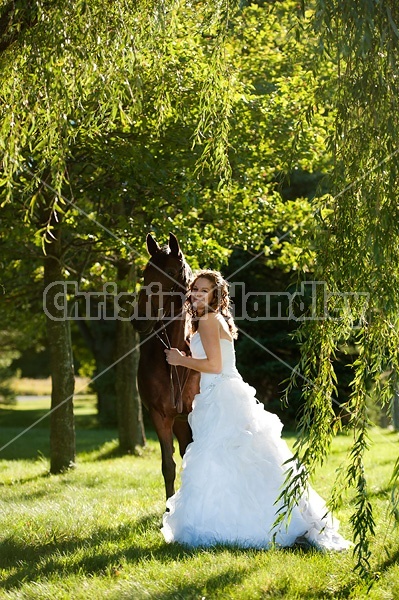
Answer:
(62, 425)
(130, 418)
(104, 349)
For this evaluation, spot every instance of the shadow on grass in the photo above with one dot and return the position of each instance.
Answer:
(24, 440)
(107, 549)
(99, 553)
(22, 418)
(35, 443)
(380, 493)
(31, 562)
(203, 589)
(30, 479)
(392, 559)
(107, 450)
(20, 444)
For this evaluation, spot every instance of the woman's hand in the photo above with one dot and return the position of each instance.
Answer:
(173, 356)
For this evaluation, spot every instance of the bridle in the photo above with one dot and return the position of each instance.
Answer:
(162, 335)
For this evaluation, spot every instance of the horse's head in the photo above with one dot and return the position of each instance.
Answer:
(165, 283)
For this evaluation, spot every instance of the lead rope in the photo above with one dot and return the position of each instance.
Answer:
(176, 403)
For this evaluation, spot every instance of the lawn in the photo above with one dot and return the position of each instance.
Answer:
(93, 532)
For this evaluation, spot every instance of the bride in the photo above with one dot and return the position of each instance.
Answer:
(233, 472)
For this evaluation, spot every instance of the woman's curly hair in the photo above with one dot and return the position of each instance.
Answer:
(220, 302)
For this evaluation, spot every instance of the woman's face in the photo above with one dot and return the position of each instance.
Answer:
(201, 294)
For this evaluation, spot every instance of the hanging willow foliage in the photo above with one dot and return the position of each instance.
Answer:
(74, 71)
(357, 250)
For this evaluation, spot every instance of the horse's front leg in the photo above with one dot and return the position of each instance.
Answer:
(164, 428)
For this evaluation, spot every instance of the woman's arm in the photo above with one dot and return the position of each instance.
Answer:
(208, 328)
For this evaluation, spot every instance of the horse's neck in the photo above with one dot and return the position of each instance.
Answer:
(176, 333)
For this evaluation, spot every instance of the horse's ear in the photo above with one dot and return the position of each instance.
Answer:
(174, 245)
(152, 245)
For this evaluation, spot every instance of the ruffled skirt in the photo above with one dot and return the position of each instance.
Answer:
(232, 474)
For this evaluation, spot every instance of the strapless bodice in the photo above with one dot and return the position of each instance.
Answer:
(228, 360)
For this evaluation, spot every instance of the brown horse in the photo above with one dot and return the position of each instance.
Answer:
(166, 391)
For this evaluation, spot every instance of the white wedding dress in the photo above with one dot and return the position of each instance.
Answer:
(233, 472)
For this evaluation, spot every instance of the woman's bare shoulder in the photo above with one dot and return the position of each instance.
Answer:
(208, 322)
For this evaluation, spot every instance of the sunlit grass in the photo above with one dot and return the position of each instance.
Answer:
(93, 532)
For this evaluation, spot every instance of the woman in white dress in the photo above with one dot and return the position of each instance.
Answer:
(233, 471)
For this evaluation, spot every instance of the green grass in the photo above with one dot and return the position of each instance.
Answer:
(93, 532)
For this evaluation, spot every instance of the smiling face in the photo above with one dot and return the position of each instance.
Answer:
(202, 294)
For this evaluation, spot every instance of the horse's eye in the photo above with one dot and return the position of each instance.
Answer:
(170, 272)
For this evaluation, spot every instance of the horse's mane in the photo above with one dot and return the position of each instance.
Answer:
(186, 272)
